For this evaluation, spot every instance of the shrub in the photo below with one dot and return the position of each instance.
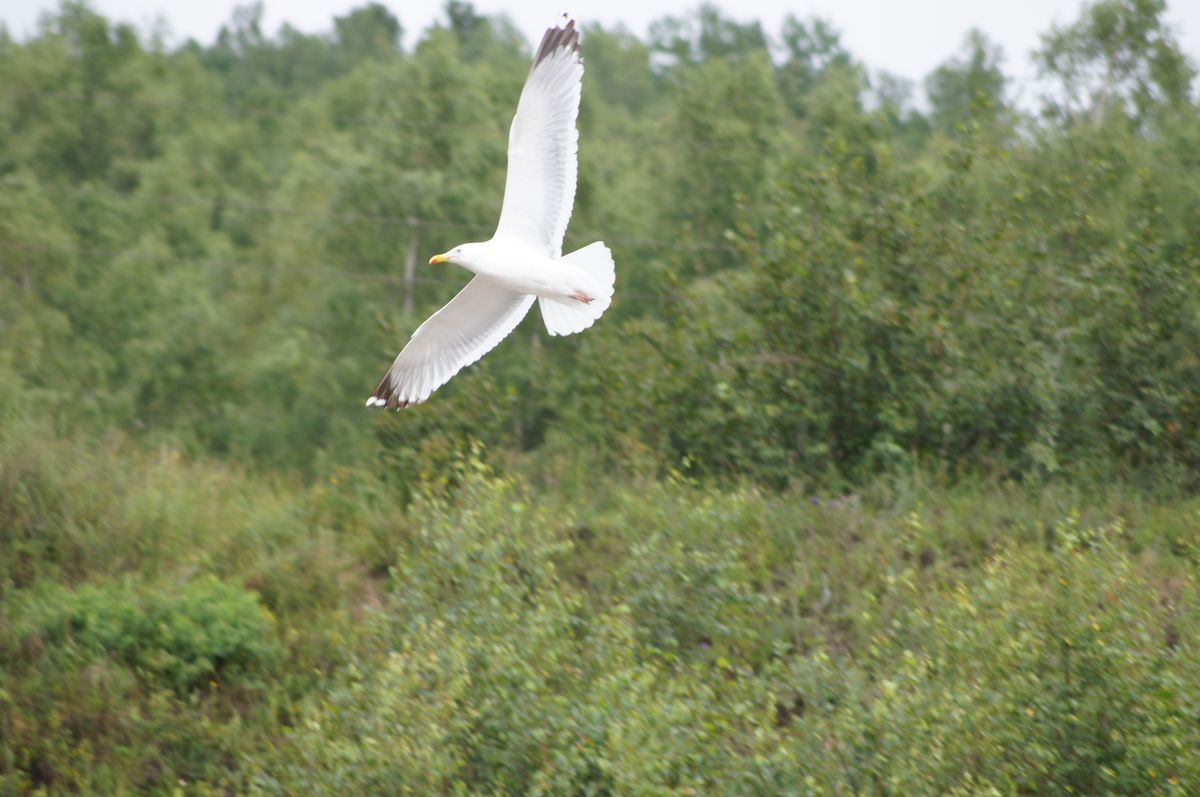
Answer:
(206, 630)
(497, 679)
(1057, 672)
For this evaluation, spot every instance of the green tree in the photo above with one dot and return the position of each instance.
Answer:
(1120, 55)
(969, 86)
(811, 49)
(371, 31)
(724, 127)
(704, 35)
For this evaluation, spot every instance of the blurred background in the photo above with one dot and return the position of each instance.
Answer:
(878, 478)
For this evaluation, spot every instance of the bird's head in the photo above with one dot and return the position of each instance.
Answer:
(460, 255)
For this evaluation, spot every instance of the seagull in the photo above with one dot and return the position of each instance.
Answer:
(523, 260)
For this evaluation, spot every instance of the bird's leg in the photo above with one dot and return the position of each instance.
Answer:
(581, 297)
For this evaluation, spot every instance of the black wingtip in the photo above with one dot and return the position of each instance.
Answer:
(556, 39)
(385, 396)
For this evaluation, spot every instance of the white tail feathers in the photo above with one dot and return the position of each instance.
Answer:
(566, 316)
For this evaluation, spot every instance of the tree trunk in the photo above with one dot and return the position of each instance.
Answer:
(410, 272)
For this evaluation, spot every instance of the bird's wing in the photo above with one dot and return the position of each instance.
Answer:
(542, 142)
(468, 327)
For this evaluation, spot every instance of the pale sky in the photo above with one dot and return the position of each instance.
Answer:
(908, 38)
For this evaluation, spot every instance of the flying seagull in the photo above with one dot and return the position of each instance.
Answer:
(523, 261)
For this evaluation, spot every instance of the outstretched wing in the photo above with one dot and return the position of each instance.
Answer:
(542, 143)
(468, 327)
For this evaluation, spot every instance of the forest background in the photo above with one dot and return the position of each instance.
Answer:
(878, 478)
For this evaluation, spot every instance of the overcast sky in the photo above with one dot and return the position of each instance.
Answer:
(907, 38)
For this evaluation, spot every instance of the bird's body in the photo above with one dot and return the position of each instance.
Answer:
(522, 262)
(515, 266)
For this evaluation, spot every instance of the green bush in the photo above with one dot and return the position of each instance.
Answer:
(1054, 672)
(130, 687)
(496, 678)
(1048, 668)
(185, 638)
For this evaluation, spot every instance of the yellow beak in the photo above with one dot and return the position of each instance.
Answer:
(438, 259)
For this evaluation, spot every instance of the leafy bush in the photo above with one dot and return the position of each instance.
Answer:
(496, 679)
(185, 638)
(131, 686)
(1053, 669)
(1055, 672)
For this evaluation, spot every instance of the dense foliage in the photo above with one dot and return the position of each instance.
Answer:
(876, 479)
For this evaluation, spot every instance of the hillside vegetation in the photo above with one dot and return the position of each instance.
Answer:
(878, 478)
